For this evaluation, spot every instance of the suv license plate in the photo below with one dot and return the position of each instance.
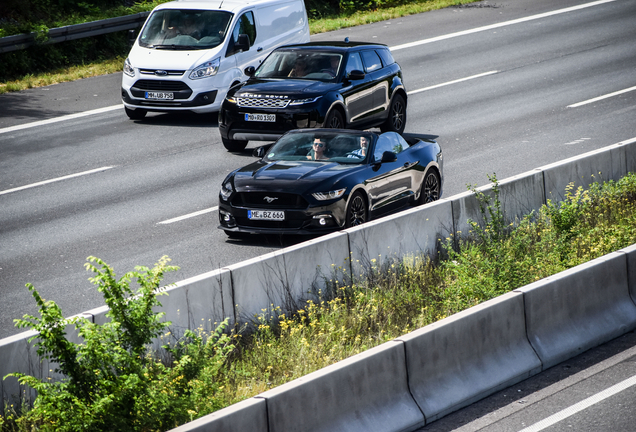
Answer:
(265, 215)
(160, 95)
(260, 117)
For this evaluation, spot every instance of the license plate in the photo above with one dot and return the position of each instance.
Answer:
(265, 215)
(260, 117)
(160, 95)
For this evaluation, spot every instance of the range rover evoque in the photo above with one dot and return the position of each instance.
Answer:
(318, 84)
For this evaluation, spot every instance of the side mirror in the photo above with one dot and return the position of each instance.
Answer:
(388, 156)
(249, 71)
(243, 43)
(132, 36)
(355, 75)
(260, 152)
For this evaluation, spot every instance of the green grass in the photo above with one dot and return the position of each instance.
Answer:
(316, 26)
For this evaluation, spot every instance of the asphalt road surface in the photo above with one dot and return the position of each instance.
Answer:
(505, 86)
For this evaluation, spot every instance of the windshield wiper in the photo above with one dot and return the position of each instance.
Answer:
(174, 47)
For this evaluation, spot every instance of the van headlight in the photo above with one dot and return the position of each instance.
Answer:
(323, 196)
(207, 69)
(128, 69)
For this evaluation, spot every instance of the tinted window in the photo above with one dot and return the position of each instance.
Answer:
(387, 58)
(245, 25)
(371, 60)
(389, 141)
(301, 64)
(354, 63)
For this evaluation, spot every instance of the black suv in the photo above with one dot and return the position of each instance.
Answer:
(318, 84)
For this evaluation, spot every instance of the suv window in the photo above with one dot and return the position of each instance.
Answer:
(371, 60)
(354, 63)
(385, 55)
(245, 25)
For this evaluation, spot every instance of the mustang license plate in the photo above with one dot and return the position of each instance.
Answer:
(260, 117)
(265, 215)
(160, 95)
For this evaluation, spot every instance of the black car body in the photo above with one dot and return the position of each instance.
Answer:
(341, 85)
(289, 192)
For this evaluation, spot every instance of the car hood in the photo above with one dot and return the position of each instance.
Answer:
(166, 59)
(291, 176)
(289, 87)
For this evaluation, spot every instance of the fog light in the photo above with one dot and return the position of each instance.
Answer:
(322, 221)
(227, 217)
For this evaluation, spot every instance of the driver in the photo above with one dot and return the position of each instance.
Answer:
(318, 149)
(362, 151)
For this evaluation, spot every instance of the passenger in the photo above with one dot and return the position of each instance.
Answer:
(362, 151)
(318, 150)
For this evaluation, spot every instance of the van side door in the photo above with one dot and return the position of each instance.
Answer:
(244, 56)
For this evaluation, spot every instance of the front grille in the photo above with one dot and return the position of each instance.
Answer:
(261, 103)
(160, 85)
(268, 200)
(167, 72)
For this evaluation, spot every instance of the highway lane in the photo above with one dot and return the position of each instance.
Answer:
(512, 119)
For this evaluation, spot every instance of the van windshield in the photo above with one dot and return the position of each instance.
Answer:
(180, 29)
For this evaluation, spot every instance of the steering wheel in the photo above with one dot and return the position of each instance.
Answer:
(330, 72)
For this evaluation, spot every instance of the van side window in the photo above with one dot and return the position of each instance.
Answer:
(371, 60)
(353, 63)
(244, 25)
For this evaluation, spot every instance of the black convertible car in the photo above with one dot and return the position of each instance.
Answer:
(315, 181)
(337, 85)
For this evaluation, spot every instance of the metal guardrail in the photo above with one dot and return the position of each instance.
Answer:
(77, 31)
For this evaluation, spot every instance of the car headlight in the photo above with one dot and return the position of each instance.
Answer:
(231, 99)
(226, 190)
(207, 69)
(304, 101)
(128, 69)
(323, 196)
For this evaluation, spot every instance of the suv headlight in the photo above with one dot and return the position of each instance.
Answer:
(128, 69)
(304, 101)
(226, 190)
(323, 196)
(207, 69)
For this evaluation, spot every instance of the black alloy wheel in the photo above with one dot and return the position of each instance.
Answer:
(396, 121)
(430, 188)
(135, 114)
(334, 120)
(356, 210)
(233, 145)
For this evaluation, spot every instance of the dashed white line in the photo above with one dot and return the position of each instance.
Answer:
(190, 215)
(452, 82)
(32, 185)
(59, 119)
(596, 99)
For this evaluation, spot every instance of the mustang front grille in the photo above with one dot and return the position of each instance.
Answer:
(268, 200)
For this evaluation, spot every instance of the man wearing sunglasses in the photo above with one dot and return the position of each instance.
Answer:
(318, 149)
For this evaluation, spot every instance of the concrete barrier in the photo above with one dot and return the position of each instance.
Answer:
(288, 276)
(519, 195)
(579, 308)
(248, 415)
(463, 358)
(631, 270)
(629, 150)
(364, 393)
(415, 231)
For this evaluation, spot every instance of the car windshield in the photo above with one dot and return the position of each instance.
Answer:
(329, 146)
(175, 29)
(301, 64)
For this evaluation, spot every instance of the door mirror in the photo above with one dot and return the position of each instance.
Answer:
(249, 71)
(388, 156)
(243, 43)
(261, 151)
(355, 75)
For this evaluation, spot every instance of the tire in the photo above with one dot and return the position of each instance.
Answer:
(136, 114)
(357, 212)
(396, 121)
(334, 120)
(430, 189)
(233, 145)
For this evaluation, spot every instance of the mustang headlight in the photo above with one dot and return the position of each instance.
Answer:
(128, 69)
(304, 101)
(207, 69)
(323, 196)
(226, 190)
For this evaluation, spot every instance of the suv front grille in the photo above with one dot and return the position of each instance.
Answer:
(269, 200)
(261, 103)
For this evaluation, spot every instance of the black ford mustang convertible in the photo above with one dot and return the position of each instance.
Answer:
(313, 181)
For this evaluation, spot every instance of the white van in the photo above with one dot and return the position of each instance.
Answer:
(190, 52)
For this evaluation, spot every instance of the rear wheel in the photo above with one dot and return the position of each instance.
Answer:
(430, 188)
(135, 114)
(233, 145)
(334, 120)
(356, 210)
(396, 121)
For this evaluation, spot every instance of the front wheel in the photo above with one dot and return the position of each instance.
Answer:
(135, 114)
(356, 211)
(334, 120)
(396, 121)
(430, 188)
(233, 145)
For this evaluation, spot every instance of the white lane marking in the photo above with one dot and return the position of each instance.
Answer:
(570, 411)
(452, 82)
(59, 119)
(609, 95)
(494, 26)
(180, 218)
(93, 171)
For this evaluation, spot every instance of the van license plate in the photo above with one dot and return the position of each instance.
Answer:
(265, 215)
(260, 117)
(160, 95)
